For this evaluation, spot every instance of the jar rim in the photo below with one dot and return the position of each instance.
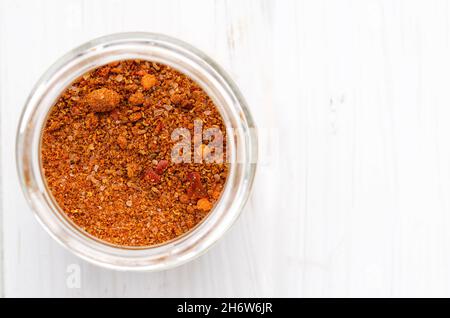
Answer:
(195, 64)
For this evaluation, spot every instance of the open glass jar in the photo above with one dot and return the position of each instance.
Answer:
(241, 148)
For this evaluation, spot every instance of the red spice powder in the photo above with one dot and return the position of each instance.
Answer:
(106, 153)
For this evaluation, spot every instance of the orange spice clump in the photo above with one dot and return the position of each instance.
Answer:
(148, 81)
(106, 154)
(204, 204)
(102, 100)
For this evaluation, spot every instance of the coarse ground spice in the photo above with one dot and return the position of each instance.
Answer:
(106, 153)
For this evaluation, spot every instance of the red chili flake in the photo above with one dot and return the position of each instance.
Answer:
(196, 189)
(151, 176)
(161, 166)
(159, 127)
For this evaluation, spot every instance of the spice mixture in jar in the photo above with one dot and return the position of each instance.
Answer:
(113, 159)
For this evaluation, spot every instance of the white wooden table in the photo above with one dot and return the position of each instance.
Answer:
(352, 197)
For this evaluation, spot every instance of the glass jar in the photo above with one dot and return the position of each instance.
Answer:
(241, 145)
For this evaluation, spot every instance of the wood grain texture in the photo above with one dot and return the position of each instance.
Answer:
(352, 195)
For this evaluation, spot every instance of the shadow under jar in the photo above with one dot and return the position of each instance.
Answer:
(151, 51)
